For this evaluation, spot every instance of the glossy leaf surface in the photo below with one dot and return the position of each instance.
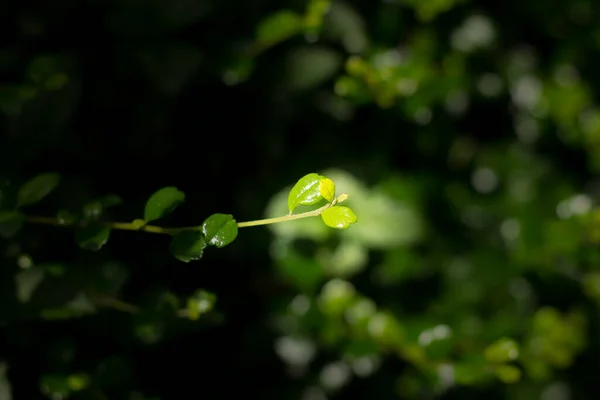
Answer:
(188, 246)
(220, 230)
(339, 217)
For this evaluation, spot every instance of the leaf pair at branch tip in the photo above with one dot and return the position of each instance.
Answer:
(312, 188)
(309, 190)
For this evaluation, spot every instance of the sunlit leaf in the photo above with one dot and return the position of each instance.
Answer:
(163, 202)
(508, 373)
(92, 237)
(339, 217)
(188, 246)
(10, 223)
(305, 192)
(37, 188)
(220, 230)
(327, 188)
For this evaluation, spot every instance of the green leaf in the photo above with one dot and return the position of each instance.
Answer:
(278, 27)
(138, 223)
(200, 303)
(305, 192)
(508, 373)
(10, 223)
(188, 246)
(307, 67)
(501, 351)
(327, 188)
(163, 202)
(339, 217)
(92, 237)
(37, 188)
(220, 229)
(110, 201)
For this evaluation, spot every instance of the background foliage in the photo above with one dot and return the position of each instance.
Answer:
(467, 134)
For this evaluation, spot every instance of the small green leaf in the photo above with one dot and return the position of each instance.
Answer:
(188, 246)
(10, 223)
(220, 229)
(327, 188)
(508, 373)
(305, 192)
(339, 217)
(37, 188)
(278, 27)
(163, 202)
(501, 351)
(92, 237)
(200, 303)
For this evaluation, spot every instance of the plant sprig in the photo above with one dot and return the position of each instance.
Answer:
(187, 243)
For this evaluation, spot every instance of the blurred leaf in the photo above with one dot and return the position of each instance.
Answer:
(304, 272)
(47, 71)
(278, 27)
(336, 296)
(92, 237)
(305, 192)
(10, 223)
(313, 19)
(346, 260)
(5, 387)
(502, 350)
(339, 217)
(37, 188)
(200, 303)
(311, 66)
(27, 281)
(219, 230)
(508, 373)
(162, 203)
(345, 24)
(188, 246)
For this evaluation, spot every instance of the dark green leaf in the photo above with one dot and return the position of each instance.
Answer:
(92, 211)
(37, 188)
(10, 223)
(110, 201)
(279, 27)
(92, 237)
(188, 246)
(163, 202)
(220, 229)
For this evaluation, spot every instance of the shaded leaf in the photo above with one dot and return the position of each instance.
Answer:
(10, 223)
(163, 202)
(278, 27)
(310, 66)
(37, 188)
(220, 230)
(92, 237)
(27, 281)
(339, 217)
(188, 246)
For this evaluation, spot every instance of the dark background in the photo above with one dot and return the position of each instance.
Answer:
(145, 106)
